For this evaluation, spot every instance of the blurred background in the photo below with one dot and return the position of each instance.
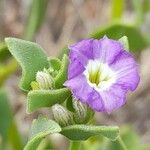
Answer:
(54, 24)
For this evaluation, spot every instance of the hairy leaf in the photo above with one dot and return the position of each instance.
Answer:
(45, 98)
(62, 74)
(31, 58)
(55, 63)
(40, 128)
(83, 132)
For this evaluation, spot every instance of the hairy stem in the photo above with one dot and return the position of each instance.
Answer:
(121, 143)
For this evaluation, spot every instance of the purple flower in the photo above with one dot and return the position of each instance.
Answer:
(100, 73)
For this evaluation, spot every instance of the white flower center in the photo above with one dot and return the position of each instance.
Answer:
(99, 75)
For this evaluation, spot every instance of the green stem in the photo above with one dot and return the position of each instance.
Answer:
(117, 9)
(36, 18)
(121, 143)
(75, 145)
(138, 7)
(15, 137)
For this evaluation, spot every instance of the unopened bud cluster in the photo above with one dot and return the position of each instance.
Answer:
(81, 115)
(44, 80)
(82, 112)
(62, 115)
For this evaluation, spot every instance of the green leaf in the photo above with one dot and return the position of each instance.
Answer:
(40, 128)
(55, 63)
(62, 74)
(83, 132)
(31, 58)
(5, 114)
(14, 137)
(4, 53)
(36, 17)
(8, 129)
(137, 42)
(69, 104)
(45, 98)
(124, 42)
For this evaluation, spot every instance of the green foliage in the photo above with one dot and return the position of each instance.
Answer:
(136, 40)
(83, 132)
(8, 129)
(45, 144)
(125, 42)
(129, 136)
(14, 137)
(54, 63)
(5, 114)
(146, 6)
(31, 58)
(41, 127)
(36, 17)
(46, 98)
(69, 104)
(61, 77)
(4, 53)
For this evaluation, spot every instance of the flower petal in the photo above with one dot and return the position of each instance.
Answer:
(113, 98)
(75, 68)
(106, 49)
(82, 91)
(79, 55)
(85, 47)
(126, 70)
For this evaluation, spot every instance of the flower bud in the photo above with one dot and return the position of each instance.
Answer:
(34, 85)
(52, 72)
(82, 112)
(62, 115)
(44, 80)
